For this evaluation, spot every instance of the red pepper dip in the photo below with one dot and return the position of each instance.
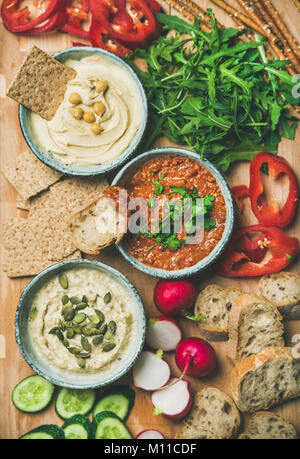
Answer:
(158, 176)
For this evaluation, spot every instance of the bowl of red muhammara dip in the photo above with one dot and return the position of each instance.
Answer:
(182, 213)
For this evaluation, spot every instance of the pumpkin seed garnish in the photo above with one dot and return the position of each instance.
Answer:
(108, 347)
(108, 335)
(65, 299)
(63, 280)
(85, 299)
(100, 315)
(66, 308)
(107, 298)
(98, 340)
(79, 318)
(80, 306)
(60, 335)
(74, 350)
(95, 319)
(84, 355)
(103, 329)
(33, 313)
(70, 333)
(75, 300)
(87, 331)
(112, 326)
(66, 343)
(85, 344)
(54, 330)
(69, 315)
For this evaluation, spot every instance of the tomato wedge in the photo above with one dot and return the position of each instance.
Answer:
(18, 19)
(241, 256)
(128, 28)
(271, 214)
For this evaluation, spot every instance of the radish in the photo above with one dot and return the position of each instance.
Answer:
(150, 435)
(174, 297)
(163, 333)
(151, 372)
(195, 357)
(174, 401)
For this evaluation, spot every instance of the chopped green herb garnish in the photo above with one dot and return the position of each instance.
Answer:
(290, 257)
(159, 188)
(161, 176)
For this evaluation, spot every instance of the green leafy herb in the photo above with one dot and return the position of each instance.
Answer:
(222, 98)
(290, 257)
(159, 187)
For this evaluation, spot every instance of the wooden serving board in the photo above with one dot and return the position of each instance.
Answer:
(12, 365)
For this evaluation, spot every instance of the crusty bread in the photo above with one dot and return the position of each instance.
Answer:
(268, 426)
(215, 302)
(98, 225)
(254, 325)
(283, 290)
(266, 379)
(213, 416)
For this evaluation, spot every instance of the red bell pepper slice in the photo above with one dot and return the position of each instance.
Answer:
(271, 214)
(144, 24)
(55, 22)
(100, 39)
(78, 12)
(239, 193)
(237, 263)
(18, 20)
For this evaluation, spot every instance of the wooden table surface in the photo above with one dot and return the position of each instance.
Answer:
(12, 365)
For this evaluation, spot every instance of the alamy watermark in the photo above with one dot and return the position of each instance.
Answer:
(296, 88)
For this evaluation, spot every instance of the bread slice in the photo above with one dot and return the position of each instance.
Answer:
(283, 290)
(215, 303)
(98, 225)
(268, 426)
(266, 379)
(254, 325)
(213, 416)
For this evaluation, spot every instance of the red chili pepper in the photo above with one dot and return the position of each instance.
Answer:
(236, 263)
(77, 14)
(100, 39)
(55, 22)
(144, 24)
(18, 20)
(271, 214)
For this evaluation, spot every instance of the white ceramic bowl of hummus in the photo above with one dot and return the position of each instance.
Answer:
(67, 144)
(40, 312)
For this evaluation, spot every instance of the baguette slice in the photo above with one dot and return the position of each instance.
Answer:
(268, 426)
(283, 290)
(215, 303)
(266, 379)
(98, 225)
(254, 325)
(213, 416)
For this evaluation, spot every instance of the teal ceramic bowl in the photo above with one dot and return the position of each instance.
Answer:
(127, 172)
(49, 159)
(76, 380)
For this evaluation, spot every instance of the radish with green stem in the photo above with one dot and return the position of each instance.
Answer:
(163, 333)
(151, 372)
(195, 357)
(150, 435)
(173, 401)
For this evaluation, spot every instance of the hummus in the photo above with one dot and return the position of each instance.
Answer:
(46, 315)
(70, 139)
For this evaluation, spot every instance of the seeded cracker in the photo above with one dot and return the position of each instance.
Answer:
(29, 176)
(41, 83)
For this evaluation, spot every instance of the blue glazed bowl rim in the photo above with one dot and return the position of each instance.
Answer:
(230, 218)
(87, 171)
(71, 264)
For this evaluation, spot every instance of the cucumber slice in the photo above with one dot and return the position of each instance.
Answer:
(109, 426)
(73, 401)
(32, 394)
(118, 400)
(78, 427)
(46, 432)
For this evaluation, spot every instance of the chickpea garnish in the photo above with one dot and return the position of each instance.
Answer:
(101, 86)
(96, 128)
(99, 108)
(77, 112)
(75, 98)
(89, 117)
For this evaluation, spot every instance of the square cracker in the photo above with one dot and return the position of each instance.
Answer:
(41, 83)
(29, 176)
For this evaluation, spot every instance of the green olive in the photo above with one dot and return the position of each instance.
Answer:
(96, 128)
(101, 86)
(77, 112)
(99, 108)
(89, 117)
(75, 98)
